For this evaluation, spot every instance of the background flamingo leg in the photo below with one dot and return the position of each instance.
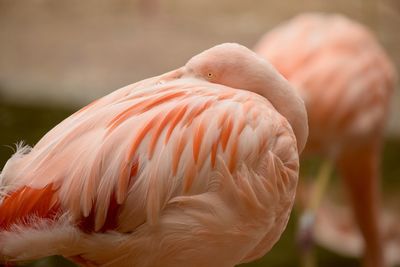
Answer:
(359, 169)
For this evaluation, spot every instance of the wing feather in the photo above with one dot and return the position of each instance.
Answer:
(120, 161)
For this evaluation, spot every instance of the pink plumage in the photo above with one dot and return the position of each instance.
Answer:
(346, 80)
(183, 169)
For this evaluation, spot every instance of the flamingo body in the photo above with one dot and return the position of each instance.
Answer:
(342, 73)
(177, 170)
(346, 81)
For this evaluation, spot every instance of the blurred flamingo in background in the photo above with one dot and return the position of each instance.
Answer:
(346, 81)
(183, 169)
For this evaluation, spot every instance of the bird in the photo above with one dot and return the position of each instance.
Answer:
(346, 80)
(189, 168)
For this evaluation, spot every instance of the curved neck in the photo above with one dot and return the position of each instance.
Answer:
(286, 101)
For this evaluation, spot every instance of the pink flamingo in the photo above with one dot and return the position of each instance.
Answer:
(346, 81)
(183, 169)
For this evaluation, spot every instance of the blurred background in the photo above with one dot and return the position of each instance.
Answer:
(57, 56)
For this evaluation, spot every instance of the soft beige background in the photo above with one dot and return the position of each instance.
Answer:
(68, 52)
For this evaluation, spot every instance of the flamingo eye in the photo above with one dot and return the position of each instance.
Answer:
(210, 75)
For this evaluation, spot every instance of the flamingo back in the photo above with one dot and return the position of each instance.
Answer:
(163, 152)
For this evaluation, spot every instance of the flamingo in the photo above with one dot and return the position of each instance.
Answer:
(346, 81)
(189, 168)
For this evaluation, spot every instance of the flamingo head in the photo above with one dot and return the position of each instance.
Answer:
(238, 67)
